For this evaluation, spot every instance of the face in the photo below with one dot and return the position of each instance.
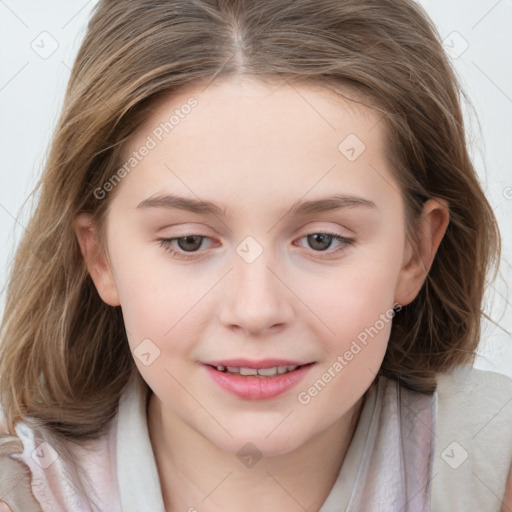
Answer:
(297, 261)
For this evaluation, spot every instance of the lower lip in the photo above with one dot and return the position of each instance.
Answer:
(258, 388)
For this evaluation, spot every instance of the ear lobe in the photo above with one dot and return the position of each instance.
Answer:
(97, 264)
(418, 261)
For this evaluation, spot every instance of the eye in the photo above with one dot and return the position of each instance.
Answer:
(187, 244)
(319, 242)
(322, 241)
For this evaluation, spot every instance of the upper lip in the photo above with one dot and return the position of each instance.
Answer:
(263, 363)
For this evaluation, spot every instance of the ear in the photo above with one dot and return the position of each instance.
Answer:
(417, 262)
(96, 261)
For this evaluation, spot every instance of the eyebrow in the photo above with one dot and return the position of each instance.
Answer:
(300, 207)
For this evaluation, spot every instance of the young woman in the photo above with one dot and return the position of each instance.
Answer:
(254, 277)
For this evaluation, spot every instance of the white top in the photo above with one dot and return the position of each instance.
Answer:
(450, 451)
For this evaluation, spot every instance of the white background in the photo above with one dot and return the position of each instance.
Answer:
(32, 90)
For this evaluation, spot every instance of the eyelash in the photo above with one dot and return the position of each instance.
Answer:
(167, 244)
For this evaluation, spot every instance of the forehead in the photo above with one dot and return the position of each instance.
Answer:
(235, 102)
(246, 135)
(241, 100)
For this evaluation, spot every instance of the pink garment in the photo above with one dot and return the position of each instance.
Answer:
(388, 465)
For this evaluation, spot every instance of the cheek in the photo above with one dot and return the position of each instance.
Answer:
(357, 294)
(154, 295)
(358, 310)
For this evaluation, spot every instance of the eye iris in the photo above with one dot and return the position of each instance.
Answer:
(321, 238)
(190, 240)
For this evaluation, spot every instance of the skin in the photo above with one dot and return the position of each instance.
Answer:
(255, 149)
(507, 501)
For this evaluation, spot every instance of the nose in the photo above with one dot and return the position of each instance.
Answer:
(257, 298)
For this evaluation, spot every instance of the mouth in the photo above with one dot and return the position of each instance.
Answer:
(257, 380)
(246, 371)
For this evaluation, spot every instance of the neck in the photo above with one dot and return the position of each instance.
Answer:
(196, 475)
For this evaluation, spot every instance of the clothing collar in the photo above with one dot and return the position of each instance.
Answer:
(139, 483)
(388, 465)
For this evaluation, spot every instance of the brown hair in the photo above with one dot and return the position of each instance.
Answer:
(65, 358)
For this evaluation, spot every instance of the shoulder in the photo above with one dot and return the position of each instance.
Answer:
(15, 475)
(477, 405)
(473, 442)
(461, 378)
(41, 472)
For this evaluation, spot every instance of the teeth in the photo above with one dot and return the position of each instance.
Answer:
(267, 372)
(248, 371)
(264, 372)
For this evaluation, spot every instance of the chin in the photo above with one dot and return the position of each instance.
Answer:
(258, 442)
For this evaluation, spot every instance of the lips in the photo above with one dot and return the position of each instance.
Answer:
(257, 380)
